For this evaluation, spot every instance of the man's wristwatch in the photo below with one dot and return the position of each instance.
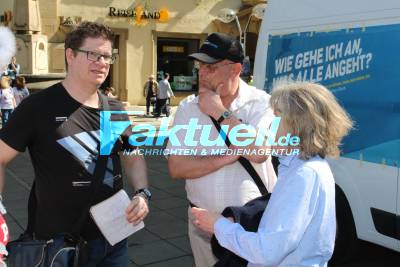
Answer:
(225, 115)
(144, 192)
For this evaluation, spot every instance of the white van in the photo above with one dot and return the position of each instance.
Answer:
(353, 48)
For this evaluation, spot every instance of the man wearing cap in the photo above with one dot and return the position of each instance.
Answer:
(216, 181)
(150, 91)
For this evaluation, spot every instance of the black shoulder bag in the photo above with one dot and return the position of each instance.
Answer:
(248, 216)
(65, 249)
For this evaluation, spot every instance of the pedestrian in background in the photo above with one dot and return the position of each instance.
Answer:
(109, 92)
(7, 100)
(164, 92)
(13, 70)
(20, 91)
(298, 226)
(150, 89)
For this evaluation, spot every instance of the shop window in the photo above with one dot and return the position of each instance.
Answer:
(172, 58)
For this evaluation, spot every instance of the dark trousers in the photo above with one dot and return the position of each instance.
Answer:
(148, 104)
(100, 253)
(5, 115)
(161, 106)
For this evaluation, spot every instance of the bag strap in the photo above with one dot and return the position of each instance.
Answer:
(243, 161)
(98, 174)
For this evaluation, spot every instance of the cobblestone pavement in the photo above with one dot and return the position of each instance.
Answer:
(164, 241)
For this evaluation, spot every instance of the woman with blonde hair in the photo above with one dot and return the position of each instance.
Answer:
(7, 100)
(299, 224)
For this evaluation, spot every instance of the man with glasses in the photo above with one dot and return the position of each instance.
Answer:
(60, 127)
(216, 181)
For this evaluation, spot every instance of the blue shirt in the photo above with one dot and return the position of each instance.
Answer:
(299, 224)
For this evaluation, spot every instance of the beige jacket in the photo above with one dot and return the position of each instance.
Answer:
(155, 88)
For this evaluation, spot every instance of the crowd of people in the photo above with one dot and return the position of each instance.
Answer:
(298, 225)
(12, 90)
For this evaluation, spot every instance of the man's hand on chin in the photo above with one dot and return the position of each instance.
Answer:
(210, 102)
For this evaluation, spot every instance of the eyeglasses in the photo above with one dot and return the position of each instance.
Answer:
(93, 56)
(213, 67)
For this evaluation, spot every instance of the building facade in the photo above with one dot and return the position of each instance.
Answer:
(152, 37)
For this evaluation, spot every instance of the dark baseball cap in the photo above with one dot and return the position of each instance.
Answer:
(217, 47)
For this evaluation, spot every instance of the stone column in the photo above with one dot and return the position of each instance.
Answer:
(31, 44)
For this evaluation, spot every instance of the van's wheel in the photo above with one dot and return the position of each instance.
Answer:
(346, 243)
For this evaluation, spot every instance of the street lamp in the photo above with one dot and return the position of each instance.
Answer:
(227, 15)
(258, 12)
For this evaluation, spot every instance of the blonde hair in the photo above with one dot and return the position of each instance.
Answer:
(4, 82)
(311, 112)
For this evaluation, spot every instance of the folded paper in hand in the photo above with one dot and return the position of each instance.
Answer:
(110, 217)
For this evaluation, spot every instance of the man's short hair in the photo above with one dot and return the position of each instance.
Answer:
(166, 75)
(87, 29)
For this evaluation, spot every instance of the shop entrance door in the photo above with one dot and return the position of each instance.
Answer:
(172, 58)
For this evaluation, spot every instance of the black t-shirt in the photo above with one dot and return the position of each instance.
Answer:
(62, 136)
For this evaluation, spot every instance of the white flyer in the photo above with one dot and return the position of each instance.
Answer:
(110, 217)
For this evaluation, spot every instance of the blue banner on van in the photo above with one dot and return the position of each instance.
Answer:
(361, 67)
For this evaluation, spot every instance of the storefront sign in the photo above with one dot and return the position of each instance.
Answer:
(173, 49)
(140, 14)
